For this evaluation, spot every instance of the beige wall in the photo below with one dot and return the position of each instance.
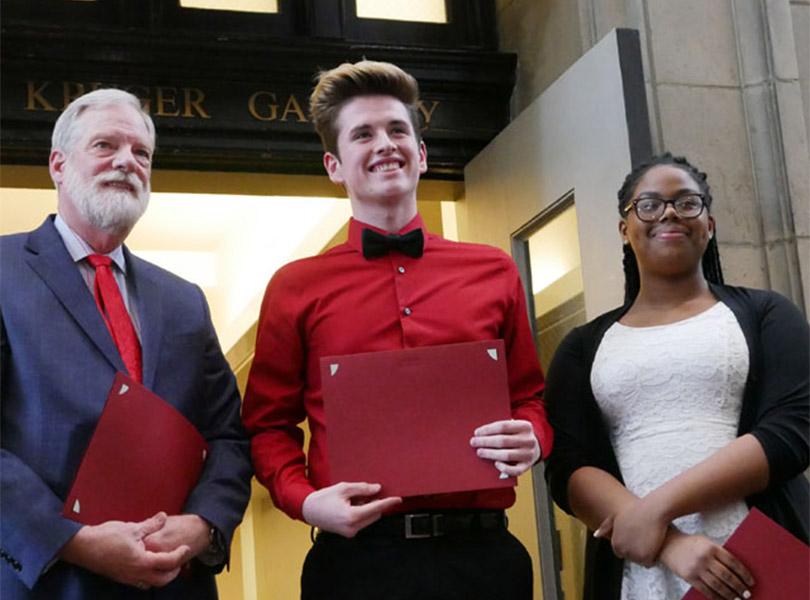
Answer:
(529, 28)
(800, 15)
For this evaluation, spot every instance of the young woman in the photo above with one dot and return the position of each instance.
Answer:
(680, 410)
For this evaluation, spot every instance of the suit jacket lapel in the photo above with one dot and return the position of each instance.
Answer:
(48, 257)
(149, 304)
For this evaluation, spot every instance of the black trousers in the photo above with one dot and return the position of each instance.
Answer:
(486, 565)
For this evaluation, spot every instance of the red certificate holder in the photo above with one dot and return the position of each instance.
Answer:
(144, 457)
(404, 418)
(779, 562)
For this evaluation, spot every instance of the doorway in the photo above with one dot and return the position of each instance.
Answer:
(547, 253)
(554, 171)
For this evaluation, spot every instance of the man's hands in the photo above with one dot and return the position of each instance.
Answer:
(511, 444)
(116, 550)
(180, 530)
(343, 508)
(710, 568)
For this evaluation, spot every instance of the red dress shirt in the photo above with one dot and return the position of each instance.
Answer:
(341, 303)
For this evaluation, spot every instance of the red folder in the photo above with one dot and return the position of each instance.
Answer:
(779, 562)
(404, 418)
(144, 457)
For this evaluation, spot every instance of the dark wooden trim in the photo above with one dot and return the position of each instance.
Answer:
(471, 23)
(472, 89)
(325, 19)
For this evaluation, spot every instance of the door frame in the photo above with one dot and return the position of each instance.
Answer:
(581, 136)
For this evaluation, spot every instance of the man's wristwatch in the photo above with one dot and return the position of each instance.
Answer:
(215, 552)
(214, 539)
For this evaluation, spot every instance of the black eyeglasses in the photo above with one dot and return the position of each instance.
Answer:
(652, 208)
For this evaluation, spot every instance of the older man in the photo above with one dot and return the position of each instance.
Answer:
(75, 308)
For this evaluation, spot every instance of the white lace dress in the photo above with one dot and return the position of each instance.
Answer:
(671, 396)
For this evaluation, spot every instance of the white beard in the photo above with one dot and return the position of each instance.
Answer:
(106, 208)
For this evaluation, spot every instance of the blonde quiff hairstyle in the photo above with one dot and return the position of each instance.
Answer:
(365, 78)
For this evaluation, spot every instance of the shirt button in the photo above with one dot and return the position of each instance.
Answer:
(401, 269)
(406, 311)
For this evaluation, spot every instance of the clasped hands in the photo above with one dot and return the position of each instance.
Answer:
(347, 507)
(146, 554)
(642, 533)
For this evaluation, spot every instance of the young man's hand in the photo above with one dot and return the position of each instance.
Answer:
(343, 508)
(511, 444)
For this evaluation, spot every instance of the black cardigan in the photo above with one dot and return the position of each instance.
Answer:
(775, 409)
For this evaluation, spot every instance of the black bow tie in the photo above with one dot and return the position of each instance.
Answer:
(376, 244)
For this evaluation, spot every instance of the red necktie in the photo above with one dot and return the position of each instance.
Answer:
(115, 315)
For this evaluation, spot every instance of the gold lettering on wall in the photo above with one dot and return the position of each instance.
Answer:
(264, 106)
(427, 113)
(73, 89)
(34, 100)
(293, 106)
(70, 91)
(45, 96)
(191, 104)
(180, 102)
(142, 92)
(166, 97)
(267, 110)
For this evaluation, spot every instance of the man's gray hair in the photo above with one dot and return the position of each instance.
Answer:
(64, 132)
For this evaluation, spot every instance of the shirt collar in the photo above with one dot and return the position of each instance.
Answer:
(80, 249)
(356, 231)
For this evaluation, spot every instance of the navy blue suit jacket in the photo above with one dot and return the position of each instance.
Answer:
(57, 363)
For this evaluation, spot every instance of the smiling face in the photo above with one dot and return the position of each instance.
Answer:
(379, 158)
(670, 245)
(103, 178)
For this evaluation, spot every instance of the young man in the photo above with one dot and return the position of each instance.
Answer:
(75, 308)
(376, 293)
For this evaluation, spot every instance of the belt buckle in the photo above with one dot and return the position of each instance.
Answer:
(410, 534)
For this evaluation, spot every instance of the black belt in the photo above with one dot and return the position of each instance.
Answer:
(435, 524)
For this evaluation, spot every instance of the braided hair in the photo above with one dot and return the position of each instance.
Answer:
(712, 270)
